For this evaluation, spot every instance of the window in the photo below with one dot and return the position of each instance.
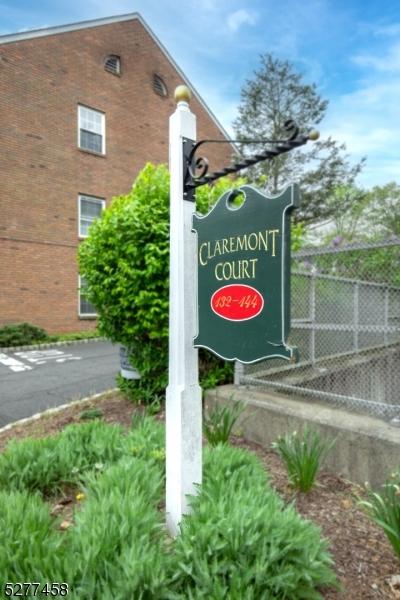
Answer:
(86, 308)
(91, 130)
(112, 64)
(89, 209)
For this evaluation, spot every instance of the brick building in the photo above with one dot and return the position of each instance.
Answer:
(83, 108)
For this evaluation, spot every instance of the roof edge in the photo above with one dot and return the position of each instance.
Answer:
(187, 82)
(42, 32)
(36, 33)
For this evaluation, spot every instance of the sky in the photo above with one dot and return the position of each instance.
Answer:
(349, 48)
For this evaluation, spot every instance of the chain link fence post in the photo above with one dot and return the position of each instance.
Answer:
(312, 316)
(356, 315)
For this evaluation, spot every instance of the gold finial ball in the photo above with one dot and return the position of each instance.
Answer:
(313, 135)
(182, 94)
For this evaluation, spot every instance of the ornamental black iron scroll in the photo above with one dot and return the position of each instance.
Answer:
(195, 172)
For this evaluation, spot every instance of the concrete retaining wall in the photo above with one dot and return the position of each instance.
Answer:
(366, 449)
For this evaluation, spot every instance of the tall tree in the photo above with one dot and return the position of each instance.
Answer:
(384, 211)
(278, 93)
(350, 220)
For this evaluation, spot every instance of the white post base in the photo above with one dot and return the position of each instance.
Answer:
(184, 451)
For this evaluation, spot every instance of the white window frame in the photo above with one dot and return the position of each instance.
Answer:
(103, 129)
(83, 315)
(87, 197)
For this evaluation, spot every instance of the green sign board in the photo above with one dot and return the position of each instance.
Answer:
(244, 276)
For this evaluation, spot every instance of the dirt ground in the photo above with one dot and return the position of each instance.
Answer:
(364, 560)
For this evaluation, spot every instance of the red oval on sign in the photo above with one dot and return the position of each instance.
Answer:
(237, 302)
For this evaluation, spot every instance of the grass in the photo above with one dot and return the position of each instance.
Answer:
(239, 542)
(91, 413)
(70, 337)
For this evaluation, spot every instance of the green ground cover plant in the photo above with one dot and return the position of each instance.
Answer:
(31, 548)
(384, 509)
(45, 465)
(240, 542)
(118, 534)
(303, 455)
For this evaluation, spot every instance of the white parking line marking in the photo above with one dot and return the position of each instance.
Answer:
(40, 357)
(13, 364)
(36, 357)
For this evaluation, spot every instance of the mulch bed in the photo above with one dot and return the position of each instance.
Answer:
(364, 560)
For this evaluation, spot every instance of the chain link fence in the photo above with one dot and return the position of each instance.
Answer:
(346, 325)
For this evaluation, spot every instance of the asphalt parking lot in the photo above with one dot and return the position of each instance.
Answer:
(34, 380)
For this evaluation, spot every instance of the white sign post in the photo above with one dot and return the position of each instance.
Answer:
(183, 397)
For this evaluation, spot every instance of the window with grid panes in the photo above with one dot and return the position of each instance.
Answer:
(86, 308)
(89, 210)
(91, 126)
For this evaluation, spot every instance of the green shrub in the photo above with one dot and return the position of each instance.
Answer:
(213, 371)
(125, 261)
(303, 456)
(21, 334)
(384, 509)
(241, 542)
(219, 421)
(24, 334)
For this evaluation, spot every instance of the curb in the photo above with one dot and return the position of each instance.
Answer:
(56, 409)
(51, 344)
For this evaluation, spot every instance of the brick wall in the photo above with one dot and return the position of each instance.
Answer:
(42, 81)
